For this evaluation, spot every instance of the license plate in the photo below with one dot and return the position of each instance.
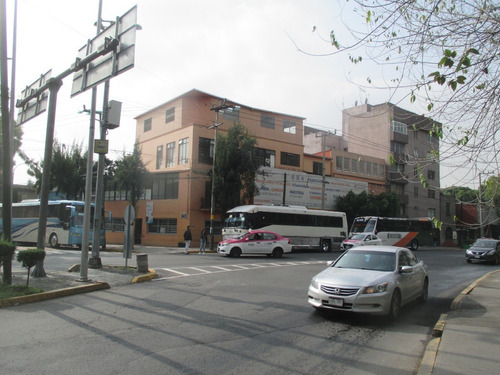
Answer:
(477, 256)
(339, 302)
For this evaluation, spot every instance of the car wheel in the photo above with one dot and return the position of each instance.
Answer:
(235, 252)
(414, 245)
(395, 306)
(496, 259)
(425, 291)
(53, 240)
(278, 252)
(326, 246)
(469, 261)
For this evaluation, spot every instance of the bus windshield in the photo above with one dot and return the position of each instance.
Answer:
(361, 226)
(236, 220)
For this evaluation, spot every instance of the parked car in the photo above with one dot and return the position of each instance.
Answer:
(360, 239)
(484, 250)
(370, 279)
(255, 242)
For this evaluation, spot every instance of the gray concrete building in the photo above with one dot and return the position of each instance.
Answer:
(403, 140)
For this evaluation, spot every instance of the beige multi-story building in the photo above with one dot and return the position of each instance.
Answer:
(404, 141)
(177, 143)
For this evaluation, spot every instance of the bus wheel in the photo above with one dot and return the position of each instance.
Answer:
(235, 253)
(53, 240)
(414, 245)
(326, 246)
(278, 252)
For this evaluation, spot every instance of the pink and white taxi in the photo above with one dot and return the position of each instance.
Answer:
(255, 242)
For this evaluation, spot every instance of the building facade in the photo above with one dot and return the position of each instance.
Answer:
(403, 139)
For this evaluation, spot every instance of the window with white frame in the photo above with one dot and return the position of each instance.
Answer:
(399, 127)
(183, 150)
(170, 154)
(159, 157)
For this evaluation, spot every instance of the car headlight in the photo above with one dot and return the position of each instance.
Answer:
(379, 288)
(468, 252)
(315, 284)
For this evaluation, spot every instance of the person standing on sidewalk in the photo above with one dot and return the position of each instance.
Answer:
(187, 240)
(203, 241)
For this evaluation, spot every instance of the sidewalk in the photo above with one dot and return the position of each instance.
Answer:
(467, 340)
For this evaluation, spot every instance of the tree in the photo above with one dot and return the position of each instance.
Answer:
(462, 194)
(130, 175)
(364, 204)
(236, 168)
(443, 55)
(491, 196)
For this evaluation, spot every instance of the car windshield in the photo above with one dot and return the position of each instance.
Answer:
(357, 237)
(367, 260)
(487, 244)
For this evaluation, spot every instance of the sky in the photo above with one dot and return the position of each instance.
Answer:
(246, 51)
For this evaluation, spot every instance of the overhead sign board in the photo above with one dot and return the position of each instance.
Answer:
(36, 105)
(110, 64)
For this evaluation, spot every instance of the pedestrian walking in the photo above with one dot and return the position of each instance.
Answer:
(187, 239)
(203, 241)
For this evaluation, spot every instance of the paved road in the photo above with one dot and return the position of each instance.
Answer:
(213, 315)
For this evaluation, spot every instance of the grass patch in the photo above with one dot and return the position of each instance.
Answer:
(9, 291)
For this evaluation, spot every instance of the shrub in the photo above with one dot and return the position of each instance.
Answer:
(29, 258)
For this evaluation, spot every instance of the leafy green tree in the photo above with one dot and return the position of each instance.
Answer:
(236, 168)
(442, 54)
(462, 194)
(130, 175)
(492, 193)
(29, 258)
(364, 204)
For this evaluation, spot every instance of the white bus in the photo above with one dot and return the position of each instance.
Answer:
(394, 231)
(64, 223)
(306, 228)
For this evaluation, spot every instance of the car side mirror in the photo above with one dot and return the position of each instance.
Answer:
(406, 269)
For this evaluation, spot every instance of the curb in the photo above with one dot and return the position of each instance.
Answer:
(149, 276)
(458, 299)
(14, 301)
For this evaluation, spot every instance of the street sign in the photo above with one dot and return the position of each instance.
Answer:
(36, 105)
(111, 64)
(101, 146)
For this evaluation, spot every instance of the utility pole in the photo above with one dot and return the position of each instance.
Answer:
(217, 109)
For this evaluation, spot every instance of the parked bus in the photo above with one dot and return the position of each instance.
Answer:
(394, 231)
(64, 223)
(306, 228)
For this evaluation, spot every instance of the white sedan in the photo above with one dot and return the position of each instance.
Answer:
(360, 239)
(370, 279)
(255, 242)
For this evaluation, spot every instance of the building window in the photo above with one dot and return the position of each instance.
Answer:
(147, 124)
(265, 158)
(115, 225)
(415, 134)
(232, 114)
(206, 151)
(362, 167)
(170, 115)
(165, 186)
(415, 191)
(399, 127)
(163, 226)
(289, 127)
(171, 154)
(431, 175)
(431, 194)
(159, 157)
(448, 209)
(339, 163)
(369, 168)
(375, 169)
(381, 170)
(288, 158)
(415, 153)
(317, 168)
(266, 121)
(431, 212)
(354, 165)
(183, 150)
(397, 147)
(346, 165)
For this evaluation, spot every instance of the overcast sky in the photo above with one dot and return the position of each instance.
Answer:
(245, 51)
